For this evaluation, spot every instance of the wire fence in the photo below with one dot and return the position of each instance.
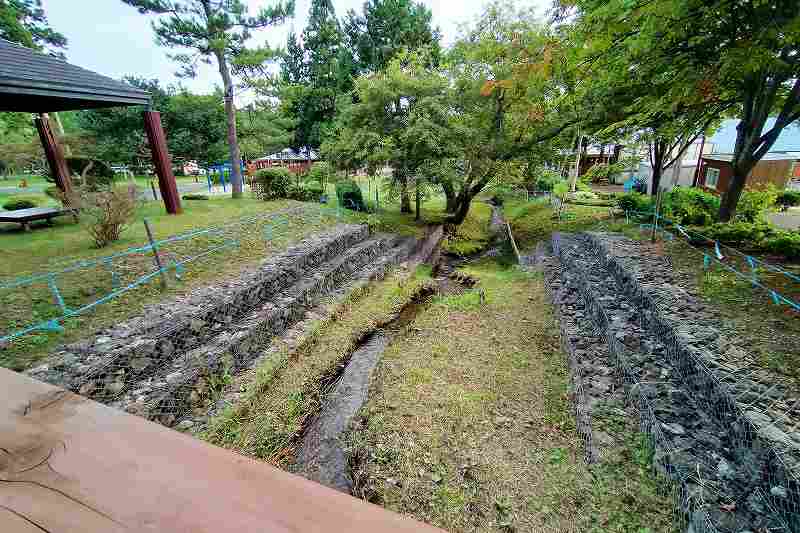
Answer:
(760, 274)
(47, 301)
(654, 388)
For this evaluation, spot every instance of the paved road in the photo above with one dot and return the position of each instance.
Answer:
(789, 220)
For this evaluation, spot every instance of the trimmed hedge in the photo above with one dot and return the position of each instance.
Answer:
(787, 199)
(20, 203)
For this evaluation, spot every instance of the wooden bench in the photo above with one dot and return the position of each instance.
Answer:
(26, 216)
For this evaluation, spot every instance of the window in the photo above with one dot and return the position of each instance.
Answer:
(712, 177)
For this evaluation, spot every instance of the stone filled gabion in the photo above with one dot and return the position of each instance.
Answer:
(177, 356)
(730, 476)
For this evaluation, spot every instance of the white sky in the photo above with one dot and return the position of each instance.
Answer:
(111, 38)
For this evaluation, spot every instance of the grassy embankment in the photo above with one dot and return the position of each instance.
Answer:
(47, 248)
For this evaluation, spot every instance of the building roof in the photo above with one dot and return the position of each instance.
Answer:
(290, 154)
(38, 83)
(769, 156)
(725, 137)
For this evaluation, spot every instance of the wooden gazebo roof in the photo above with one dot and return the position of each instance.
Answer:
(38, 83)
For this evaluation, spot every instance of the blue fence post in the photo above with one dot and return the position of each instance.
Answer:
(114, 276)
(51, 281)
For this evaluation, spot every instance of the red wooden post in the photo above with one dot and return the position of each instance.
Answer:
(162, 162)
(54, 154)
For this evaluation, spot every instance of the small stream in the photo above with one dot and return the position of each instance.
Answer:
(321, 456)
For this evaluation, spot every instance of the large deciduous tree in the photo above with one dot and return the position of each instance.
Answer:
(401, 118)
(218, 29)
(739, 53)
(196, 125)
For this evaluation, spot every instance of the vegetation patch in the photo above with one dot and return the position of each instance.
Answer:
(289, 385)
(469, 425)
(535, 221)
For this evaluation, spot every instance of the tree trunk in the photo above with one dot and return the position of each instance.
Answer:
(417, 201)
(450, 196)
(574, 181)
(656, 179)
(464, 202)
(730, 198)
(405, 199)
(230, 114)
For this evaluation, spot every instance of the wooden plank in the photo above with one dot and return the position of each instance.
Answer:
(33, 213)
(73, 465)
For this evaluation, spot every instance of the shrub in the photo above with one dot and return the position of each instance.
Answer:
(787, 199)
(747, 235)
(690, 206)
(20, 203)
(272, 183)
(194, 197)
(348, 193)
(786, 243)
(546, 180)
(634, 201)
(107, 214)
(319, 173)
(304, 193)
(754, 204)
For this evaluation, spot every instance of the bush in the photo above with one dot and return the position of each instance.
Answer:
(107, 214)
(319, 173)
(740, 234)
(786, 243)
(634, 201)
(273, 183)
(754, 204)
(348, 193)
(304, 193)
(546, 180)
(194, 197)
(690, 206)
(787, 199)
(20, 203)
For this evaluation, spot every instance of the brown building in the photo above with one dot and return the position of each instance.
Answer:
(776, 168)
(294, 160)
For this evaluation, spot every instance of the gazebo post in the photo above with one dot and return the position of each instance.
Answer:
(162, 162)
(54, 154)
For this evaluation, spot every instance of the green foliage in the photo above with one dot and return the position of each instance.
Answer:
(754, 204)
(320, 173)
(747, 235)
(194, 197)
(546, 179)
(690, 206)
(560, 189)
(787, 244)
(18, 203)
(96, 174)
(348, 193)
(603, 172)
(387, 27)
(787, 199)
(273, 183)
(635, 201)
(304, 193)
(23, 22)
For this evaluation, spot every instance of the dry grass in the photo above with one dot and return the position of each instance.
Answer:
(468, 426)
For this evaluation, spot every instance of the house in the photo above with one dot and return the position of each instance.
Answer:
(776, 168)
(682, 173)
(297, 161)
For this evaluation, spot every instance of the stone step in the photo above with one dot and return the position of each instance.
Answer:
(188, 321)
(190, 382)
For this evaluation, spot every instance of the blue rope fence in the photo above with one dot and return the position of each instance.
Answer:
(718, 254)
(125, 269)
